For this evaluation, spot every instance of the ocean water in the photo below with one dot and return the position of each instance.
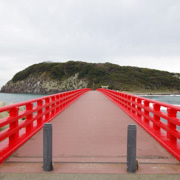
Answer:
(169, 99)
(15, 98)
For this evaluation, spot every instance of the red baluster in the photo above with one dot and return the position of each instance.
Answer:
(39, 112)
(29, 107)
(133, 105)
(47, 116)
(57, 103)
(156, 108)
(53, 106)
(146, 112)
(121, 99)
(129, 104)
(171, 113)
(125, 102)
(63, 100)
(14, 113)
(139, 108)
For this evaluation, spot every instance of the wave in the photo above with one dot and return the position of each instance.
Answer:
(176, 105)
(164, 108)
(155, 95)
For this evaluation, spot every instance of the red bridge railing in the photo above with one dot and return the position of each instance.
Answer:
(159, 119)
(36, 113)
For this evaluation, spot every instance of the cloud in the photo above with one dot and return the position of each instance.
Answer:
(133, 32)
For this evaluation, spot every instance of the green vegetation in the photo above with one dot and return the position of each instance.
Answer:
(124, 78)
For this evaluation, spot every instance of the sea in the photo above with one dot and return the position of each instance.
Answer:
(169, 99)
(9, 98)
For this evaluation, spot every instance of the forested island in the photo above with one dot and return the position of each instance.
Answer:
(53, 77)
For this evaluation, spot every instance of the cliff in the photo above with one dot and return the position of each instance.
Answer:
(49, 77)
(43, 84)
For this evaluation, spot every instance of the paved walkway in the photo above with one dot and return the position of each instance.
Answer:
(90, 136)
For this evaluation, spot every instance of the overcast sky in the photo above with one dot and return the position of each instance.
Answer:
(143, 33)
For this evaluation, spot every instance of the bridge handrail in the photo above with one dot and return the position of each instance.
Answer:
(37, 112)
(163, 125)
(6, 108)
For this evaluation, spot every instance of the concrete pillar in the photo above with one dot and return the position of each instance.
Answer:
(47, 147)
(131, 149)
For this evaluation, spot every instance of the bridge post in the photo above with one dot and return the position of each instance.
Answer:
(47, 147)
(131, 149)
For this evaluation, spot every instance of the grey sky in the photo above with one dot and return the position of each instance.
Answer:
(144, 33)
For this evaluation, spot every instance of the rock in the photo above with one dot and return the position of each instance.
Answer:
(4, 115)
(44, 85)
(11, 103)
(4, 127)
(21, 109)
(2, 103)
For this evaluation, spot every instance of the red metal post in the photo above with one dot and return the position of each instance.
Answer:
(57, 104)
(29, 108)
(13, 114)
(146, 112)
(156, 117)
(129, 104)
(53, 105)
(52, 108)
(139, 109)
(47, 103)
(39, 112)
(133, 105)
(171, 126)
(151, 116)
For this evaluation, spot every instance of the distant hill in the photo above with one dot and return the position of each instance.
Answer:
(51, 77)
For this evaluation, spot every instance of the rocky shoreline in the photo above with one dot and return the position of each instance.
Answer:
(53, 77)
(44, 85)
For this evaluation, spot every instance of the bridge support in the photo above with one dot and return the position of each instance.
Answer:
(131, 149)
(47, 147)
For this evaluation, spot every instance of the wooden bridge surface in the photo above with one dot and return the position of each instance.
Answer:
(90, 136)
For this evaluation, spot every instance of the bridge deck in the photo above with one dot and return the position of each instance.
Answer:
(91, 137)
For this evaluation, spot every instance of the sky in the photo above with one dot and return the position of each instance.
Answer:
(142, 33)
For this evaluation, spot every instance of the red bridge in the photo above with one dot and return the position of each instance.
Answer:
(90, 134)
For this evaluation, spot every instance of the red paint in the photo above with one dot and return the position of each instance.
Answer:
(90, 136)
(20, 131)
(138, 109)
(92, 129)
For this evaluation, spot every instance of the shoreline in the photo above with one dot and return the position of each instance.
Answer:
(156, 94)
(134, 93)
(153, 93)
